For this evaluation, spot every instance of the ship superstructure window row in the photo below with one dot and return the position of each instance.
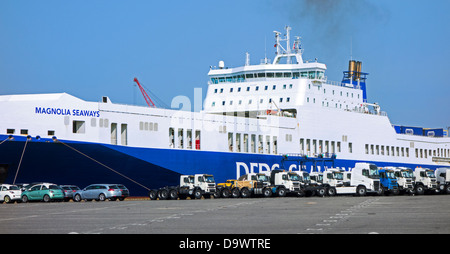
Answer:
(252, 143)
(256, 88)
(396, 151)
(246, 77)
(250, 101)
(148, 126)
(314, 147)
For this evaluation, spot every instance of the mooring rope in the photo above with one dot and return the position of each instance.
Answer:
(5, 140)
(20, 162)
(87, 156)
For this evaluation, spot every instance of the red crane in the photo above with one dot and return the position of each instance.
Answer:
(146, 97)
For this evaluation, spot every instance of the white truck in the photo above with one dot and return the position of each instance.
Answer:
(364, 179)
(443, 179)
(425, 181)
(285, 182)
(309, 186)
(194, 186)
(405, 179)
(333, 178)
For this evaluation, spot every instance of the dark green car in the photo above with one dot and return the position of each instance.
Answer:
(43, 192)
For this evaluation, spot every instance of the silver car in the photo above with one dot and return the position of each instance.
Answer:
(99, 192)
(69, 191)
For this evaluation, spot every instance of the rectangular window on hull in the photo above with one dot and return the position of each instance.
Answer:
(197, 139)
(114, 133)
(78, 127)
(124, 134)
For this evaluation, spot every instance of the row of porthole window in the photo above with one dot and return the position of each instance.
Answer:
(250, 101)
(274, 87)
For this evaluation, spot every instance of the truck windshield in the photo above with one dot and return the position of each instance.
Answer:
(294, 177)
(263, 178)
(430, 173)
(407, 173)
(373, 171)
(209, 179)
(338, 176)
(306, 177)
(390, 174)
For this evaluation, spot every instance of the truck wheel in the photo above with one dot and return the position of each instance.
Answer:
(245, 193)
(281, 192)
(267, 192)
(361, 190)
(226, 193)
(395, 192)
(420, 190)
(235, 193)
(198, 194)
(173, 194)
(447, 189)
(320, 192)
(163, 194)
(331, 191)
(217, 194)
(152, 195)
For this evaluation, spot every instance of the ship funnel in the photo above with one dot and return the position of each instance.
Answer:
(355, 77)
(358, 69)
(351, 68)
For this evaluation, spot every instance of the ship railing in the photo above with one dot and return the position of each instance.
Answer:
(338, 83)
(269, 112)
(363, 110)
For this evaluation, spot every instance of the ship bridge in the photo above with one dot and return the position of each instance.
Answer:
(271, 87)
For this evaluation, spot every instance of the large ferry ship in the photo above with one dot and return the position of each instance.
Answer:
(253, 116)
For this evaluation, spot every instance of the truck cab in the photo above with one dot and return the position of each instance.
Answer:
(285, 182)
(310, 187)
(425, 181)
(205, 182)
(443, 179)
(366, 178)
(405, 178)
(388, 181)
(333, 177)
(194, 186)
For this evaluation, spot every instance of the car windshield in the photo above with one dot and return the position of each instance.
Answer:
(54, 187)
(113, 187)
(13, 187)
(121, 186)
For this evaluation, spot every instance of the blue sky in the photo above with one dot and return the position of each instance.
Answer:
(95, 48)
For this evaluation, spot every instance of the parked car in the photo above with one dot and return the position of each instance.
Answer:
(69, 190)
(99, 192)
(43, 192)
(9, 193)
(125, 191)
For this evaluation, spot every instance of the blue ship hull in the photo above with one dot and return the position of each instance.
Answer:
(140, 169)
